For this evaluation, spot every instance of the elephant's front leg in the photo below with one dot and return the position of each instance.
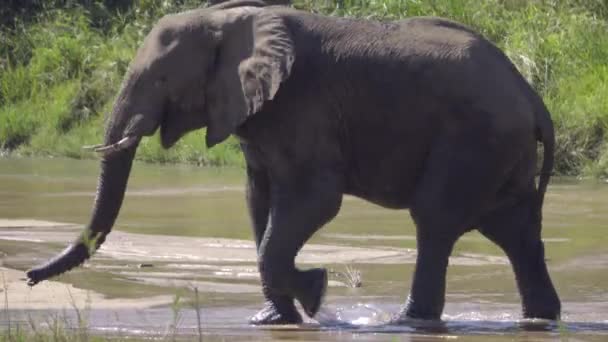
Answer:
(278, 309)
(298, 209)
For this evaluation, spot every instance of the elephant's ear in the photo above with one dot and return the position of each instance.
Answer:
(254, 56)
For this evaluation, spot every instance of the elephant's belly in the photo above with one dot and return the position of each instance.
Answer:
(396, 194)
(387, 176)
(388, 200)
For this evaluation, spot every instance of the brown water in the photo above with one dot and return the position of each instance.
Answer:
(188, 227)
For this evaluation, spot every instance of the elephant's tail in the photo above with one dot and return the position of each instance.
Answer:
(545, 134)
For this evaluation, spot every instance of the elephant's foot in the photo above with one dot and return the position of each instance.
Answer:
(280, 311)
(414, 311)
(313, 284)
(542, 314)
(543, 308)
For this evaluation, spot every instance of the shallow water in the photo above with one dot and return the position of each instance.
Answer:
(183, 227)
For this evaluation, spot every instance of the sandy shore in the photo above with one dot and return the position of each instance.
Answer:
(211, 264)
(57, 295)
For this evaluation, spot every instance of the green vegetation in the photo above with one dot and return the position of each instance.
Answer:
(61, 62)
(60, 328)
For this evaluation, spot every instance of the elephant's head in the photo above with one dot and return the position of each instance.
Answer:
(210, 67)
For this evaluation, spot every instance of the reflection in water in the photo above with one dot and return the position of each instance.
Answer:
(207, 243)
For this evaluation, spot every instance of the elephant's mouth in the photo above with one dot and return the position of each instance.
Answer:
(168, 135)
(175, 123)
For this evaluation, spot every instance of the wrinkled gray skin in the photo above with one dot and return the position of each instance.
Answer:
(422, 114)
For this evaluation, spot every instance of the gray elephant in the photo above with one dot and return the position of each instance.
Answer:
(421, 114)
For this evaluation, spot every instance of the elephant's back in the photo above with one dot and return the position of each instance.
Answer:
(352, 37)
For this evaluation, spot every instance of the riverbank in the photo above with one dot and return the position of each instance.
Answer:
(60, 68)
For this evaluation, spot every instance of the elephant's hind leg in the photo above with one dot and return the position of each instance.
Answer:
(298, 209)
(459, 180)
(516, 228)
(278, 309)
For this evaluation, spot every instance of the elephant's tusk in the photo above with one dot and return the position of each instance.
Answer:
(92, 147)
(125, 142)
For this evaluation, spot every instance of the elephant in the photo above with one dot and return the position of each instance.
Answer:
(423, 114)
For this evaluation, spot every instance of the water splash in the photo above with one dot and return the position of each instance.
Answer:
(358, 314)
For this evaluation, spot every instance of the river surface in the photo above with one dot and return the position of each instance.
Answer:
(185, 227)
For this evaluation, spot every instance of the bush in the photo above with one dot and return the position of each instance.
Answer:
(52, 50)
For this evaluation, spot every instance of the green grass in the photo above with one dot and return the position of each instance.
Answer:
(60, 328)
(60, 69)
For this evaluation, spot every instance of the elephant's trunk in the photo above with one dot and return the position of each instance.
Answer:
(112, 183)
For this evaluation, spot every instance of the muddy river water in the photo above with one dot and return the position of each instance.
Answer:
(184, 227)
